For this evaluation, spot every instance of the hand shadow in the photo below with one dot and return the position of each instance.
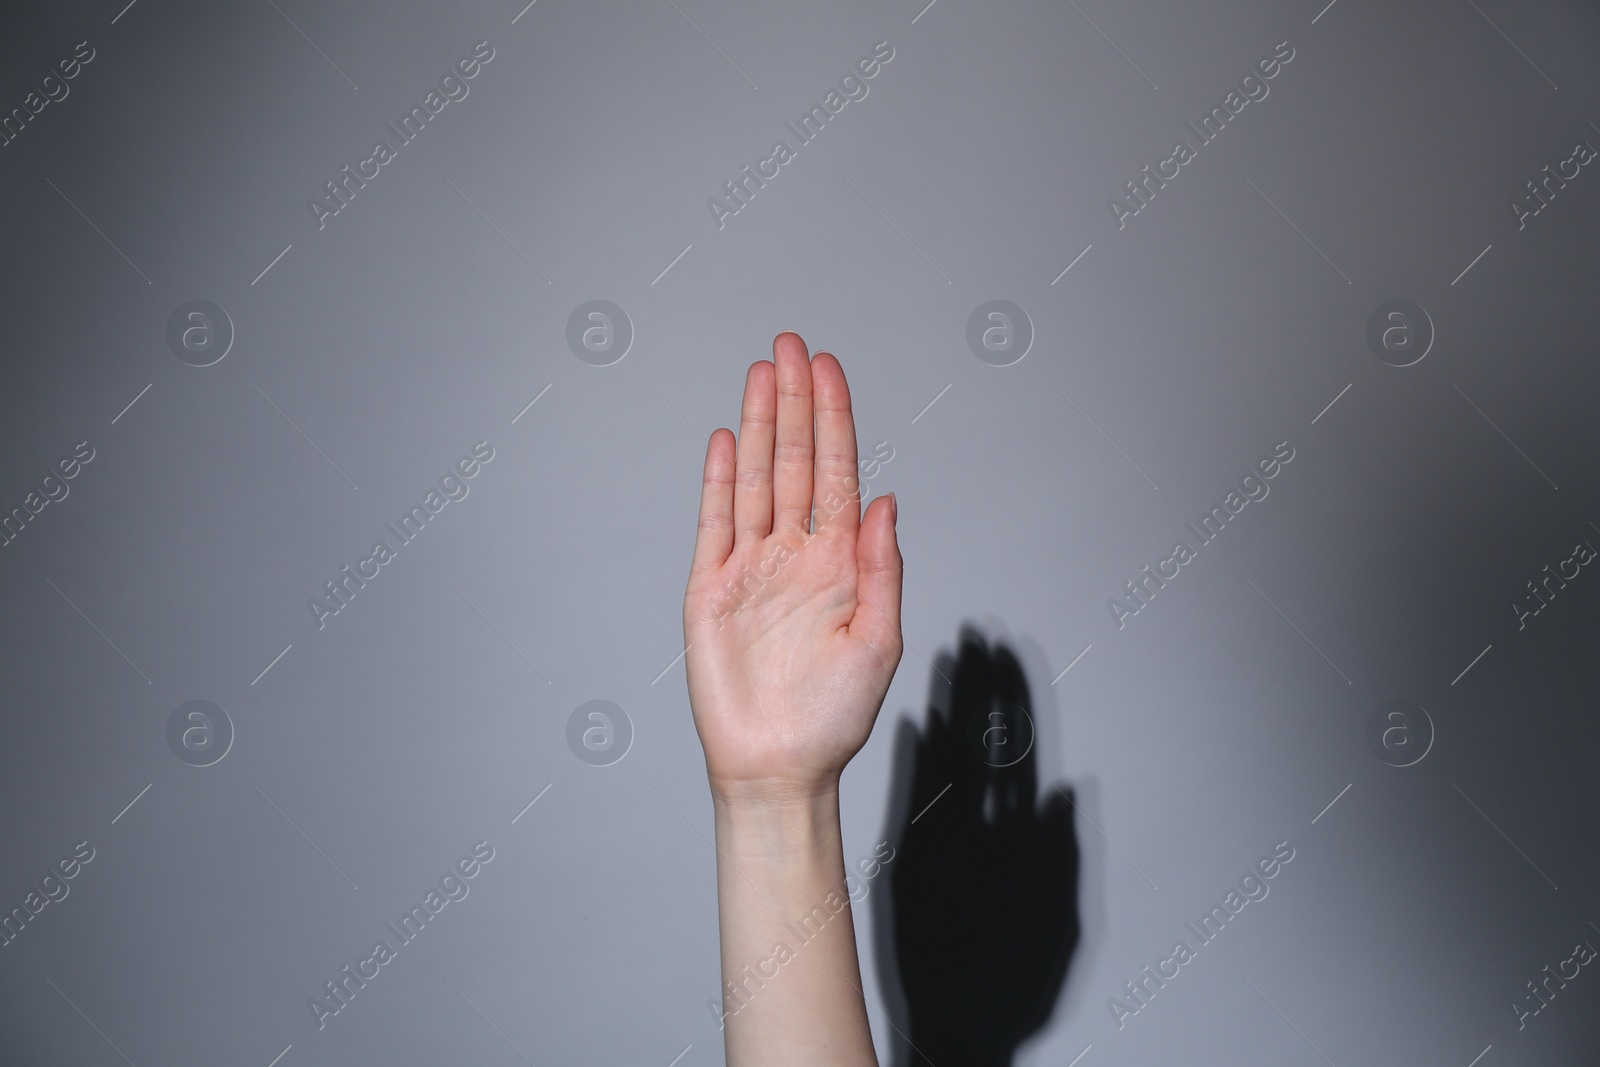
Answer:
(980, 920)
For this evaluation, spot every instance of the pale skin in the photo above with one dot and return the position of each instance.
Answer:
(785, 682)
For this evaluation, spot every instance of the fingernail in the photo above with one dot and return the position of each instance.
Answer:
(894, 509)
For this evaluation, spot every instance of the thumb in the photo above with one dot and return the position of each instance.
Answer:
(879, 570)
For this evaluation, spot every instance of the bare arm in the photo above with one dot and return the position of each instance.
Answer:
(793, 634)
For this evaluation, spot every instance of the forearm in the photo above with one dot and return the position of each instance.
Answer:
(791, 978)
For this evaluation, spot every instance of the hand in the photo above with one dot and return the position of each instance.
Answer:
(792, 634)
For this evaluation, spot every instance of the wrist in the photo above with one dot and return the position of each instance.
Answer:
(780, 824)
(776, 796)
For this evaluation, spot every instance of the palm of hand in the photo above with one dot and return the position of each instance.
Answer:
(792, 635)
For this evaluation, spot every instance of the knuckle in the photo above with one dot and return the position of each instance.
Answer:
(792, 452)
(839, 463)
(754, 477)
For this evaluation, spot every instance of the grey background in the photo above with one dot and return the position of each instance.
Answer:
(1221, 320)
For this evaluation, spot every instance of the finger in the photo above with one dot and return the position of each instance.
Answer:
(792, 452)
(838, 488)
(879, 570)
(714, 538)
(752, 489)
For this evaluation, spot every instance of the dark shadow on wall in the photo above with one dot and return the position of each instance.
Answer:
(974, 937)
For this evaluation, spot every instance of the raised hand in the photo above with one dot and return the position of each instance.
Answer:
(793, 633)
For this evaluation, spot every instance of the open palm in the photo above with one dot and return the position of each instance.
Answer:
(793, 633)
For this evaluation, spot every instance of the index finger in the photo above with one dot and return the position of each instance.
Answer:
(838, 484)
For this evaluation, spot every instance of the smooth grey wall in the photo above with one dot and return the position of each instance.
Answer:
(365, 353)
